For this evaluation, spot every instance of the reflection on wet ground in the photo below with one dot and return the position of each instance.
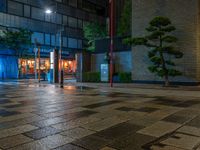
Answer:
(42, 116)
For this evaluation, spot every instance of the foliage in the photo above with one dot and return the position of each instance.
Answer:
(161, 51)
(91, 77)
(125, 77)
(124, 28)
(19, 40)
(93, 31)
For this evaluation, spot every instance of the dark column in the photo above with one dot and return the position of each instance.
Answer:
(56, 66)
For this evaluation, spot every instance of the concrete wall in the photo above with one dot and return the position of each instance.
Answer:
(184, 15)
(122, 60)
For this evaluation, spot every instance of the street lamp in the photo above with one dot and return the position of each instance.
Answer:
(49, 11)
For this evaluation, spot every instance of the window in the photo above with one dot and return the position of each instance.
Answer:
(56, 18)
(38, 36)
(48, 17)
(15, 8)
(80, 44)
(2, 5)
(72, 43)
(37, 13)
(80, 24)
(73, 3)
(27, 11)
(65, 20)
(72, 22)
(79, 3)
(47, 39)
(53, 40)
(64, 41)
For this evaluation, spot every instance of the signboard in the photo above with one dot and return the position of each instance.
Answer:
(104, 72)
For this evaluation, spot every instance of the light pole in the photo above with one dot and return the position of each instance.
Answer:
(61, 72)
(111, 25)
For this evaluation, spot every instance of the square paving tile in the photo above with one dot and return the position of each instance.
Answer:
(17, 130)
(13, 141)
(35, 145)
(101, 104)
(190, 130)
(134, 141)
(167, 147)
(91, 142)
(182, 141)
(48, 122)
(70, 147)
(77, 133)
(41, 133)
(126, 109)
(55, 141)
(177, 119)
(159, 129)
(147, 109)
(195, 122)
(108, 148)
(118, 131)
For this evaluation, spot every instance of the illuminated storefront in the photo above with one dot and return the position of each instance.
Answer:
(28, 66)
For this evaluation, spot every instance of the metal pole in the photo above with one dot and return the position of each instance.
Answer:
(35, 63)
(111, 22)
(61, 66)
(39, 64)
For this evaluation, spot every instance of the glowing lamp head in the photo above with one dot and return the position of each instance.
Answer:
(48, 11)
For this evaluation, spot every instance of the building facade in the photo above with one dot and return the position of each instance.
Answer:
(70, 14)
(184, 15)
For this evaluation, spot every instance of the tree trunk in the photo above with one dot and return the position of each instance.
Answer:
(166, 80)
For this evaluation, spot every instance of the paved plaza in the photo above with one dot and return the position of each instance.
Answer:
(95, 117)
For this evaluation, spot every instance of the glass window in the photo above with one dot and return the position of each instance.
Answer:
(56, 18)
(65, 1)
(2, 5)
(79, 3)
(64, 41)
(65, 20)
(73, 3)
(38, 36)
(59, 1)
(80, 23)
(15, 8)
(48, 17)
(27, 11)
(53, 40)
(72, 43)
(80, 44)
(47, 39)
(37, 13)
(72, 22)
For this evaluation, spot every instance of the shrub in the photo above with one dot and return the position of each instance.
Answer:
(91, 77)
(125, 77)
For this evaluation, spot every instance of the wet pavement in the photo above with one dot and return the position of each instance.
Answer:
(42, 117)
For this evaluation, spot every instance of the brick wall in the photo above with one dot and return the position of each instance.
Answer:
(184, 14)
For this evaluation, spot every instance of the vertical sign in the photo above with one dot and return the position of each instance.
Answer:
(104, 72)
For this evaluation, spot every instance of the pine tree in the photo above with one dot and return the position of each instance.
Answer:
(161, 51)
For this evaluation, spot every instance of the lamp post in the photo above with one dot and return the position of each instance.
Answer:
(61, 72)
(111, 32)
